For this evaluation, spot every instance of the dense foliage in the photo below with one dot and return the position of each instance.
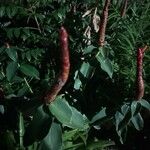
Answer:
(97, 107)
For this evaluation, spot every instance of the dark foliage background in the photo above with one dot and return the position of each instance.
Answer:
(101, 83)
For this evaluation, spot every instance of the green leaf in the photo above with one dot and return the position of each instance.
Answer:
(22, 91)
(2, 110)
(9, 33)
(12, 54)
(68, 115)
(28, 55)
(8, 12)
(135, 107)
(86, 69)
(100, 115)
(11, 70)
(68, 135)
(88, 49)
(77, 84)
(29, 70)
(17, 32)
(38, 128)
(106, 64)
(118, 119)
(138, 122)
(2, 11)
(53, 140)
(122, 134)
(125, 121)
(145, 104)
(2, 75)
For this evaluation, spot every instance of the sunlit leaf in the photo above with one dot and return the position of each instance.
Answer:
(68, 115)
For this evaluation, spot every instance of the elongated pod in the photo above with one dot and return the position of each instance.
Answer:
(139, 74)
(103, 23)
(63, 74)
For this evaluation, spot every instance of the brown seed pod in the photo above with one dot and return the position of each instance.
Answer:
(103, 23)
(64, 68)
(139, 75)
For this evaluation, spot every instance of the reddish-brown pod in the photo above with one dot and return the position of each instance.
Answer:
(124, 8)
(63, 74)
(103, 23)
(139, 75)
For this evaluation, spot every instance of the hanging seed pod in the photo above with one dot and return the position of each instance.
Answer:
(103, 23)
(64, 68)
(139, 75)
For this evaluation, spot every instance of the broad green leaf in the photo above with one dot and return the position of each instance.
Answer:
(86, 69)
(38, 128)
(11, 70)
(77, 84)
(12, 54)
(61, 110)
(135, 107)
(145, 104)
(53, 140)
(67, 114)
(106, 64)
(9, 33)
(138, 122)
(88, 49)
(29, 70)
(100, 115)
(122, 133)
(2, 110)
(125, 121)
(124, 109)
(118, 119)
(78, 120)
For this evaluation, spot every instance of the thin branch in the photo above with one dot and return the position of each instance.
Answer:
(62, 77)
(103, 23)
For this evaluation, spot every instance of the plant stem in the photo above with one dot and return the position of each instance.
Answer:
(21, 131)
(30, 89)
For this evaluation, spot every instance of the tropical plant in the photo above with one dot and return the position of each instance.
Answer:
(71, 74)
